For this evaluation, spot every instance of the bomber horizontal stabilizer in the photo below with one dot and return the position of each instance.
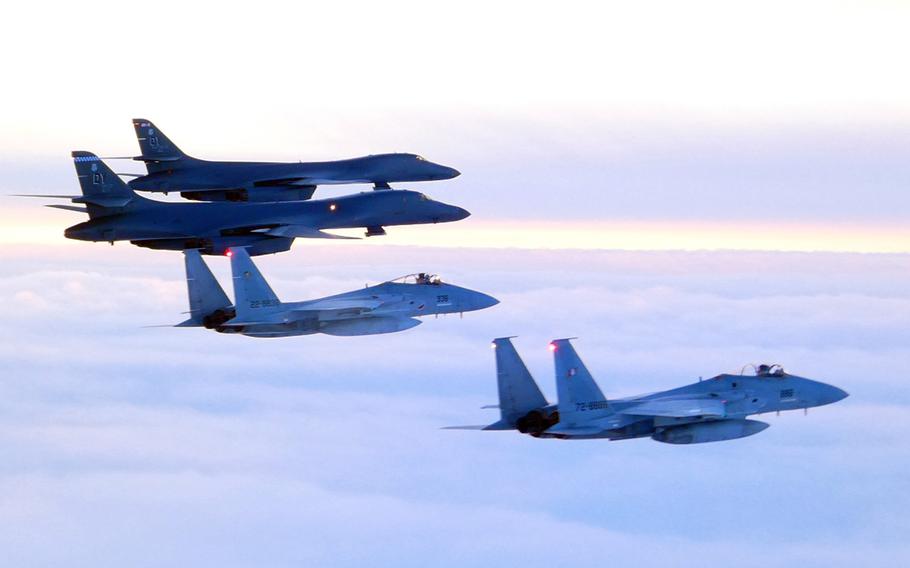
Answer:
(302, 231)
(46, 195)
(69, 208)
(156, 158)
(104, 200)
(679, 408)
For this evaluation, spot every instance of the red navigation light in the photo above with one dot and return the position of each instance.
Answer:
(552, 347)
(228, 253)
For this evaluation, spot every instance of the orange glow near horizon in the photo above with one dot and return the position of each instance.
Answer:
(46, 228)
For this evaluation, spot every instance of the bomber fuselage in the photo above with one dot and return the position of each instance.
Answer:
(192, 174)
(236, 224)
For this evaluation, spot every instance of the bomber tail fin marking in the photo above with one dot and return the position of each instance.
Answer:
(157, 151)
(103, 192)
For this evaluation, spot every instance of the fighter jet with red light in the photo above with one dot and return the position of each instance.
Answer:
(257, 312)
(712, 410)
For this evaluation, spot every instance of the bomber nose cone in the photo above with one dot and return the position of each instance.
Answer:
(459, 214)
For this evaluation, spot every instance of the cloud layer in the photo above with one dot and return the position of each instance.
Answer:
(143, 446)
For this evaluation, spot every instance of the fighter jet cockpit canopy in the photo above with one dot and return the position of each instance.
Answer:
(424, 197)
(420, 158)
(419, 278)
(766, 370)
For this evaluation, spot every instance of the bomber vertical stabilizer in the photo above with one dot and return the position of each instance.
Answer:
(103, 192)
(158, 152)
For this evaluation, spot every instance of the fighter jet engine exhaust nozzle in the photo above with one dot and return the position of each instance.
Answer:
(536, 422)
(217, 318)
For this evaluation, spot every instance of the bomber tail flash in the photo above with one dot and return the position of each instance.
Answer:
(158, 152)
(103, 192)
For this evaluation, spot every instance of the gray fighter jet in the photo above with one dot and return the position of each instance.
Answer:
(707, 411)
(117, 213)
(257, 311)
(169, 169)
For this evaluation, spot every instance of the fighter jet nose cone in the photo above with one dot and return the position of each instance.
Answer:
(839, 394)
(453, 173)
(485, 301)
(461, 214)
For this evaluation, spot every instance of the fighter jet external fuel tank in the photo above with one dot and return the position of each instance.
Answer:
(707, 411)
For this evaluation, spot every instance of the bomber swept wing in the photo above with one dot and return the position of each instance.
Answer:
(302, 231)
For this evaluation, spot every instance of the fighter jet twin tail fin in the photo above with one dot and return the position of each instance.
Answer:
(522, 405)
(254, 298)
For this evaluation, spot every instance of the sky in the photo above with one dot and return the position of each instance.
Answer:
(687, 188)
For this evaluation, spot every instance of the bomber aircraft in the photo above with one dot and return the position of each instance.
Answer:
(707, 411)
(169, 169)
(257, 312)
(117, 213)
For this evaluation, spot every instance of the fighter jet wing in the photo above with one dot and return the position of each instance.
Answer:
(341, 304)
(568, 430)
(336, 309)
(679, 408)
(302, 231)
